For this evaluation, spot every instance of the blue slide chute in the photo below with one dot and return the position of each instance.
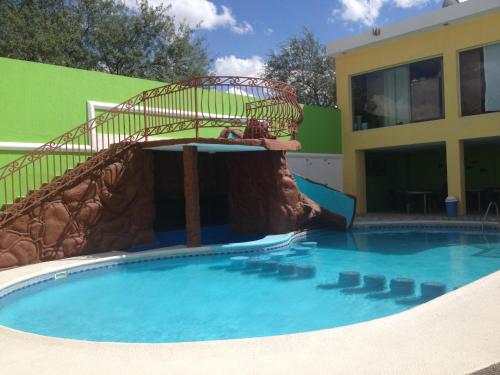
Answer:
(328, 198)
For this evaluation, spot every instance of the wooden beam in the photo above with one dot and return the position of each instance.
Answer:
(192, 195)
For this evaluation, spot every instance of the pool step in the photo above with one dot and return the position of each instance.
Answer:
(272, 263)
(305, 271)
(374, 282)
(270, 266)
(279, 255)
(350, 281)
(287, 269)
(430, 290)
(238, 261)
(309, 244)
(301, 250)
(402, 286)
(256, 263)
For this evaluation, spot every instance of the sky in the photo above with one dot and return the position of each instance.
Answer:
(240, 34)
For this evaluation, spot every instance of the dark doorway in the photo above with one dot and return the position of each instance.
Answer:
(170, 222)
(482, 173)
(214, 206)
(406, 179)
(169, 191)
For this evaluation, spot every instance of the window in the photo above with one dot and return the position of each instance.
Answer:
(397, 96)
(480, 80)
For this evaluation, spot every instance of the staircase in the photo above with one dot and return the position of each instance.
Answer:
(202, 102)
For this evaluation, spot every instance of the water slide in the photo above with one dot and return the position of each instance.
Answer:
(328, 198)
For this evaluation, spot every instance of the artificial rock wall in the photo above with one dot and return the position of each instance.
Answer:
(114, 208)
(111, 209)
(264, 198)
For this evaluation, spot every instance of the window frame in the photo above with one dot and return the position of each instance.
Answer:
(388, 67)
(459, 77)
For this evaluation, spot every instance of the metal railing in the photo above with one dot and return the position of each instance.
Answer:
(193, 105)
(485, 217)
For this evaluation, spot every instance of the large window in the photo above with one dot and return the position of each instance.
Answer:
(480, 80)
(397, 96)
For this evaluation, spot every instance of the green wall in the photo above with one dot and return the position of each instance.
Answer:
(40, 101)
(321, 130)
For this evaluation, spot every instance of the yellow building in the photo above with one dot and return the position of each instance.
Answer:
(420, 104)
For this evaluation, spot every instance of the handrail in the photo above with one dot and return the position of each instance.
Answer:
(202, 102)
(491, 204)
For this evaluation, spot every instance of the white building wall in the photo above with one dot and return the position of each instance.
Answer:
(322, 168)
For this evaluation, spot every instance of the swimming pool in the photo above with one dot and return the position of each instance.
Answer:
(205, 298)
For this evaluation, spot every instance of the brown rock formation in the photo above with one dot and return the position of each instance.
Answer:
(264, 197)
(257, 129)
(112, 209)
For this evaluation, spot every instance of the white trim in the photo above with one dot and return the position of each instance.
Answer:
(18, 146)
(425, 22)
(313, 155)
(26, 146)
(322, 168)
(92, 106)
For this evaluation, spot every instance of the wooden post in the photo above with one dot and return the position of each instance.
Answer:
(192, 195)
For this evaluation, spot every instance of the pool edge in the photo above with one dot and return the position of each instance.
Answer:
(419, 316)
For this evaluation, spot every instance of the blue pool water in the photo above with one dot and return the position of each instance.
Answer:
(201, 298)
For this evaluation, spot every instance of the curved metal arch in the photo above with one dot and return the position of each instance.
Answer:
(194, 104)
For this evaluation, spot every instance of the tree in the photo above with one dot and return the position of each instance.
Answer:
(303, 63)
(103, 35)
(41, 31)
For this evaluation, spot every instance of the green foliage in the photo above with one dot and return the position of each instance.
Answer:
(302, 62)
(40, 31)
(102, 35)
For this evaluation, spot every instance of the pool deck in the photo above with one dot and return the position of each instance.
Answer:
(457, 333)
(439, 217)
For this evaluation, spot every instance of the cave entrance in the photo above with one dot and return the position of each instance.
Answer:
(169, 192)
(170, 200)
(213, 190)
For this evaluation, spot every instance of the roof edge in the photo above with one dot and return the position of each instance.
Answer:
(423, 23)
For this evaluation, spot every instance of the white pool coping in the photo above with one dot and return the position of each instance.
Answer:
(455, 334)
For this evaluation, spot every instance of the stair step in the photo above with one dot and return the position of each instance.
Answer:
(19, 199)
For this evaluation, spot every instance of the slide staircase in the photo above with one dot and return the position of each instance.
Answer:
(188, 106)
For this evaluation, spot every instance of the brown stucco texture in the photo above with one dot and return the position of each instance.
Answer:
(264, 197)
(114, 208)
(110, 209)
